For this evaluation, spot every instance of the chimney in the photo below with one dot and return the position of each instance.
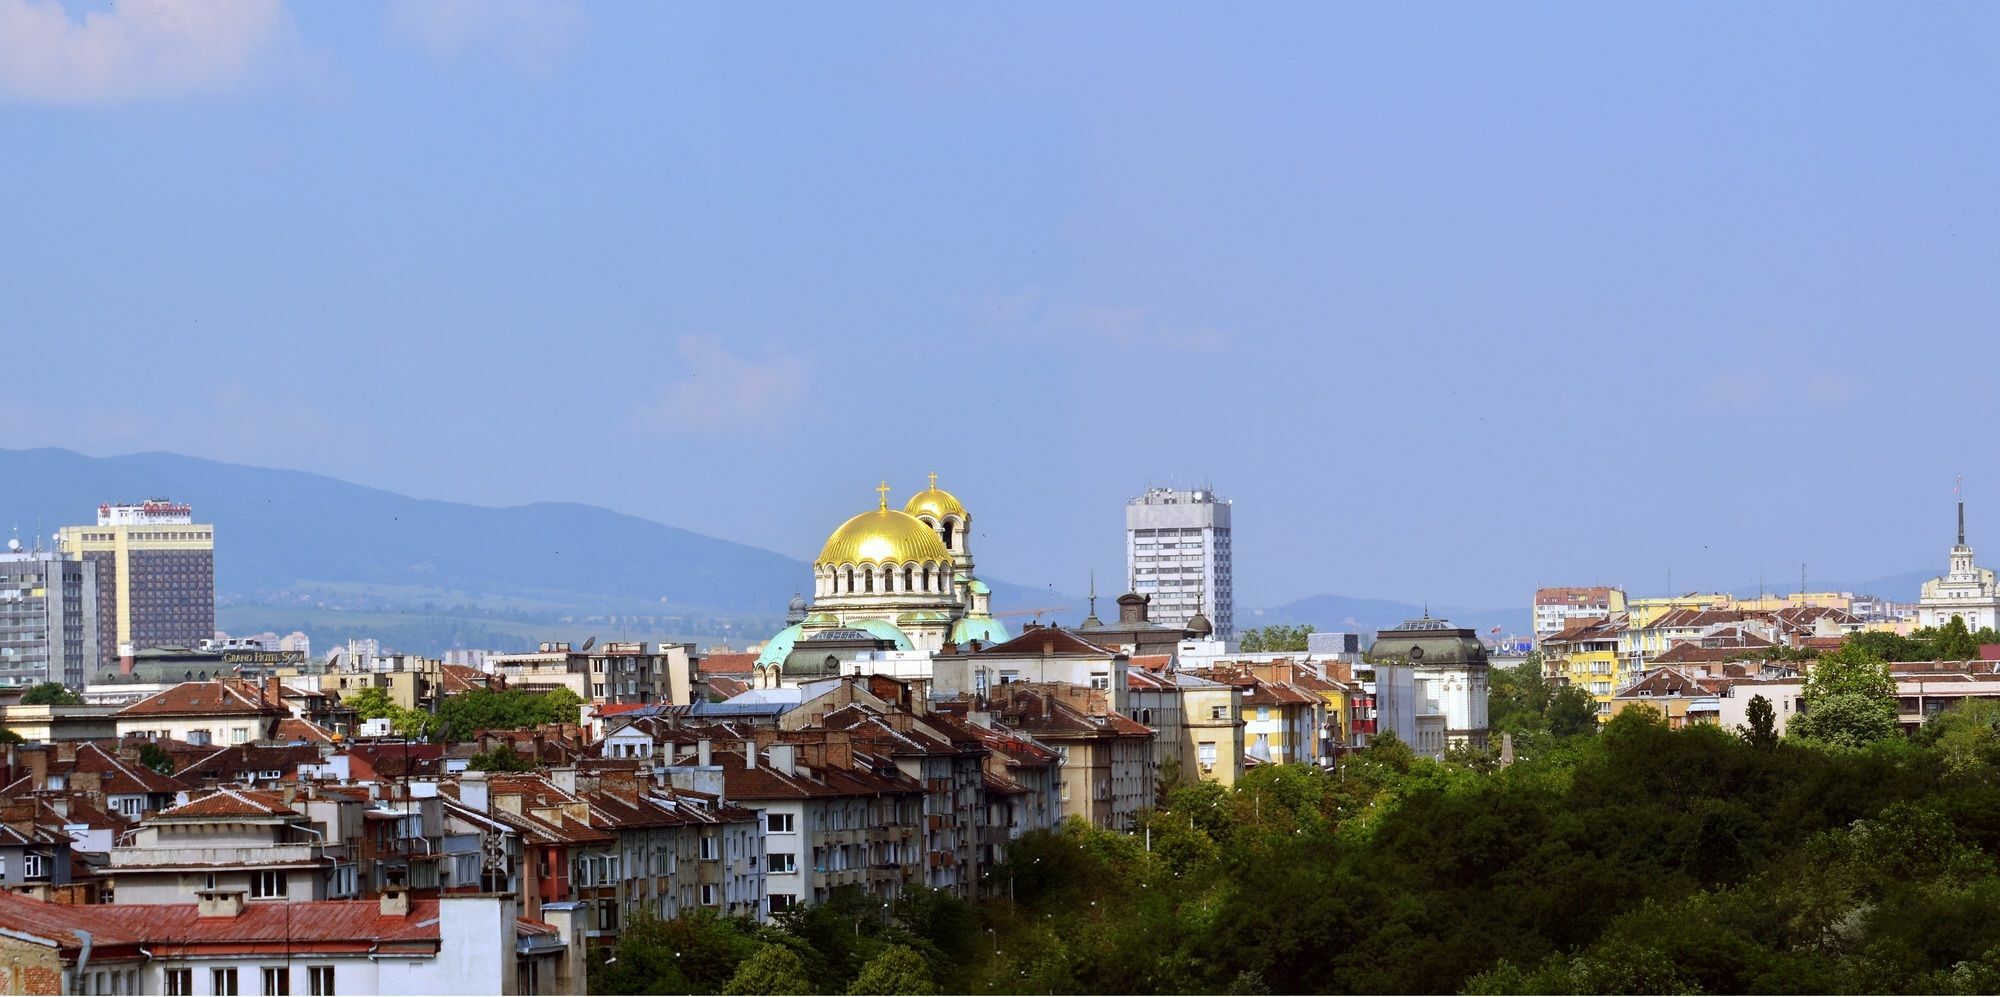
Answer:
(472, 790)
(65, 751)
(749, 754)
(704, 753)
(509, 802)
(563, 777)
(219, 903)
(784, 757)
(395, 901)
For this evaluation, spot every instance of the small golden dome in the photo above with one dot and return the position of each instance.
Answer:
(936, 503)
(883, 536)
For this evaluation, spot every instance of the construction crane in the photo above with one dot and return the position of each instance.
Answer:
(1036, 612)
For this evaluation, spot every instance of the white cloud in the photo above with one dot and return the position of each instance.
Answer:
(136, 50)
(533, 35)
(718, 390)
(1030, 312)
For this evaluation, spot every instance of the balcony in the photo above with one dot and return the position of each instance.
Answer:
(245, 856)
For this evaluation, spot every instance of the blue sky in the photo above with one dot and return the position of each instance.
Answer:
(1453, 300)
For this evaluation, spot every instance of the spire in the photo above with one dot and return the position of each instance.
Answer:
(882, 494)
(1961, 522)
(1092, 620)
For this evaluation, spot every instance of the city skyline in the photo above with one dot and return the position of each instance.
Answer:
(1614, 296)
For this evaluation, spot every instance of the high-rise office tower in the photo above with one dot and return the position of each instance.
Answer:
(48, 623)
(1177, 551)
(155, 576)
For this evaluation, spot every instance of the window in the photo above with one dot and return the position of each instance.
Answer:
(265, 884)
(238, 735)
(321, 978)
(607, 915)
(707, 848)
(783, 901)
(778, 823)
(31, 866)
(277, 981)
(1218, 713)
(781, 862)
(708, 894)
(225, 982)
(180, 983)
(1263, 713)
(1205, 754)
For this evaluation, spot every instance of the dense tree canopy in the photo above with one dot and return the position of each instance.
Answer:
(1642, 859)
(1276, 637)
(50, 694)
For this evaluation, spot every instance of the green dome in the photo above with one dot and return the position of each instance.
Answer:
(885, 630)
(779, 646)
(980, 628)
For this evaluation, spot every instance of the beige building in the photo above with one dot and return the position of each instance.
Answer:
(155, 576)
(1198, 723)
(1107, 758)
(616, 672)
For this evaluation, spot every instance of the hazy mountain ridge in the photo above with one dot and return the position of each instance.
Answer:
(296, 538)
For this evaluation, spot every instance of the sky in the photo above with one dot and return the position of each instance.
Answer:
(1452, 300)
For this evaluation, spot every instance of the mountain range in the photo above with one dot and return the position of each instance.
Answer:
(297, 550)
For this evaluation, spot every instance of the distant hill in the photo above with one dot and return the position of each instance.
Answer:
(1348, 613)
(291, 538)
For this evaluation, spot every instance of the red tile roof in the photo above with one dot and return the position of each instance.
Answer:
(728, 664)
(232, 803)
(231, 697)
(298, 928)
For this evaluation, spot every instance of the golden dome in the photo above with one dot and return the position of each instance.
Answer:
(883, 536)
(935, 502)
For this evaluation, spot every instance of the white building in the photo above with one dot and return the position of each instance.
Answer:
(1555, 608)
(457, 944)
(1177, 550)
(1966, 591)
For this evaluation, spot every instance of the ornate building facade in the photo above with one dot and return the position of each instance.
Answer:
(887, 579)
(1965, 590)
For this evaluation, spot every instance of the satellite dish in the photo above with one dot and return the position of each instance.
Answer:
(592, 642)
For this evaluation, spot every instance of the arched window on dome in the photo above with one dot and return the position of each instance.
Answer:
(868, 579)
(888, 579)
(927, 576)
(946, 533)
(850, 581)
(909, 578)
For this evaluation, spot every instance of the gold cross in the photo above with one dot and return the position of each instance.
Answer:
(933, 481)
(883, 491)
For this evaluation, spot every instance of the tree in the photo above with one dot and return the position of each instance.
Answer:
(156, 758)
(1762, 731)
(50, 694)
(1572, 712)
(897, 970)
(1518, 699)
(1275, 637)
(501, 759)
(1850, 699)
(369, 704)
(773, 969)
(1954, 642)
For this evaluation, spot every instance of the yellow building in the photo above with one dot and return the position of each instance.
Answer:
(1585, 654)
(155, 576)
(1642, 612)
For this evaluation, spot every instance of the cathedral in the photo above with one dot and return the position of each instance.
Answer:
(887, 580)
